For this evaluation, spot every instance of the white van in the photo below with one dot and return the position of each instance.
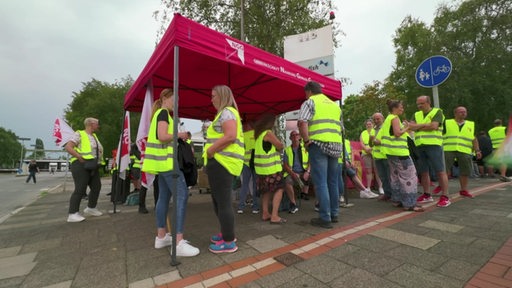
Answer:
(52, 168)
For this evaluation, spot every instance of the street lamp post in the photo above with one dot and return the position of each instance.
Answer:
(22, 139)
(242, 34)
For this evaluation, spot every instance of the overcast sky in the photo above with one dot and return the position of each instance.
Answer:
(49, 48)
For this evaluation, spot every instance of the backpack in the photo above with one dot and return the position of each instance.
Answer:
(187, 162)
(132, 199)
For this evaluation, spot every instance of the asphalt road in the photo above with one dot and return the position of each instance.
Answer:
(16, 194)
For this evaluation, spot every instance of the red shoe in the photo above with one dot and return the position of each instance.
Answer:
(437, 190)
(424, 198)
(465, 193)
(444, 201)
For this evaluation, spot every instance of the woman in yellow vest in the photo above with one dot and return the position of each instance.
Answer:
(269, 168)
(403, 178)
(367, 157)
(159, 160)
(224, 158)
(85, 146)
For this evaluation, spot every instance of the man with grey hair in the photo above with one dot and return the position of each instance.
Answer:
(381, 161)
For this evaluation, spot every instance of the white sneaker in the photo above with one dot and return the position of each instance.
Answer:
(366, 194)
(373, 195)
(92, 212)
(381, 191)
(184, 249)
(163, 242)
(342, 199)
(75, 217)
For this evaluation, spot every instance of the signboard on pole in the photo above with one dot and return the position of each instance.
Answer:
(322, 65)
(433, 71)
(310, 45)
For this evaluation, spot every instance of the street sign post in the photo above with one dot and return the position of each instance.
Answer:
(432, 72)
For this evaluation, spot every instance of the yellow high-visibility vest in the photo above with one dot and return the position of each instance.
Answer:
(434, 137)
(159, 156)
(377, 152)
(266, 163)
(85, 148)
(231, 157)
(249, 146)
(366, 138)
(325, 126)
(391, 145)
(456, 139)
(497, 135)
(289, 154)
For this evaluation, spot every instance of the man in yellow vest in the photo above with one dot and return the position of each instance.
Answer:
(380, 158)
(459, 143)
(497, 135)
(320, 128)
(428, 138)
(296, 170)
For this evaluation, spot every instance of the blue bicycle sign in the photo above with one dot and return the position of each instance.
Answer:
(433, 71)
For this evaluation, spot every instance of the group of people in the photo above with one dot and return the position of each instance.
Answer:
(427, 145)
(254, 152)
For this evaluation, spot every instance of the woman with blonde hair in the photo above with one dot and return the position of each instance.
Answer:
(85, 149)
(159, 160)
(224, 158)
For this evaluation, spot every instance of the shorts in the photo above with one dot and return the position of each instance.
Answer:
(430, 157)
(464, 160)
(367, 161)
(289, 179)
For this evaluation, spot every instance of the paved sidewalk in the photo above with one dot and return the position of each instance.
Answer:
(375, 245)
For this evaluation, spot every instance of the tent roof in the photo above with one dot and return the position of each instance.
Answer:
(261, 82)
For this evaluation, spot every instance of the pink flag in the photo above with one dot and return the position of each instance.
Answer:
(142, 134)
(123, 149)
(62, 132)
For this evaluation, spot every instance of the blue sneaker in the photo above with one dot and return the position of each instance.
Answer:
(223, 247)
(217, 238)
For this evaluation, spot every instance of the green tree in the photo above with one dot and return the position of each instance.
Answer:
(10, 148)
(103, 101)
(265, 23)
(38, 152)
(358, 108)
(476, 35)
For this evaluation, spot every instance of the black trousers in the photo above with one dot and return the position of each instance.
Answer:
(83, 179)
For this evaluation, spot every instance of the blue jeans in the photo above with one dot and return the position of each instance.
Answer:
(248, 174)
(165, 185)
(341, 184)
(324, 173)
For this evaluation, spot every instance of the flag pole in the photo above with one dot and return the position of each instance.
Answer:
(118, 165)
(176, 166)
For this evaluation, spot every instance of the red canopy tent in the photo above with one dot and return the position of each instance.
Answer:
(196, 58)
